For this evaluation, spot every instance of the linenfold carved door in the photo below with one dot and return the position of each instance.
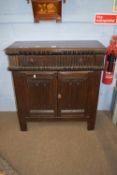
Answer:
(42, 92)
(72, 93)
(62, 94)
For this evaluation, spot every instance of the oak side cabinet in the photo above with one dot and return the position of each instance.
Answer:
(56, 79)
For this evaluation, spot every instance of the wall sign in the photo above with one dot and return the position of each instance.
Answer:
(106, 19)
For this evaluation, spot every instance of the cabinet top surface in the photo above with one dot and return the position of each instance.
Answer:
(57, 44)
(51, 45)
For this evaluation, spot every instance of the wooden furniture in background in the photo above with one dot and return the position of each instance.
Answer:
(47, 10)
(56, 79)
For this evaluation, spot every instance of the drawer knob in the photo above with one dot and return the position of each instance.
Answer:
(59, 96)
(34, 76)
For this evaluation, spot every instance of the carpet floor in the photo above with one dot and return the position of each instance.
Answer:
(59, 148)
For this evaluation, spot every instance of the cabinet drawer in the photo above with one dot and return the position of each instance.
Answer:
(57, 62)
(75, 75)
(39, 75)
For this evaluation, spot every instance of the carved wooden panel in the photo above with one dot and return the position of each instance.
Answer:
(42, 91)
(73, 88)
(47, 10)
(76, 61)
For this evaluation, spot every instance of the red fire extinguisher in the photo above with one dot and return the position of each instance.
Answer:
(110, 62)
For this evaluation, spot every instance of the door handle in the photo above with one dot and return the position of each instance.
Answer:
(59, 96)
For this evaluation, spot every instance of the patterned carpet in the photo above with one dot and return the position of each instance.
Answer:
(5, 168)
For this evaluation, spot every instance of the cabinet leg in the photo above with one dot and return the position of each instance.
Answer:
(22, 122)
(23, 126)
(91, 124)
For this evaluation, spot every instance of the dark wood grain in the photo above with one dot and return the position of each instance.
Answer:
(93, 91)
(21, 98)
(56, 80)
(73, 88)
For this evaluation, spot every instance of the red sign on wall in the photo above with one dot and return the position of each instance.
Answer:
(106, 19)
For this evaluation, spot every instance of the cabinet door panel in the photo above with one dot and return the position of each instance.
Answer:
(72, 93)
(42, 94)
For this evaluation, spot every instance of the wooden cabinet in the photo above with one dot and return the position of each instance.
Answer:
(47, 10)
(56, 83)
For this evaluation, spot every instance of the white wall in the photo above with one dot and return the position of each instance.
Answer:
(16, 23)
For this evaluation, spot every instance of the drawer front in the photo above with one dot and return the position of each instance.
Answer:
(57, 62)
